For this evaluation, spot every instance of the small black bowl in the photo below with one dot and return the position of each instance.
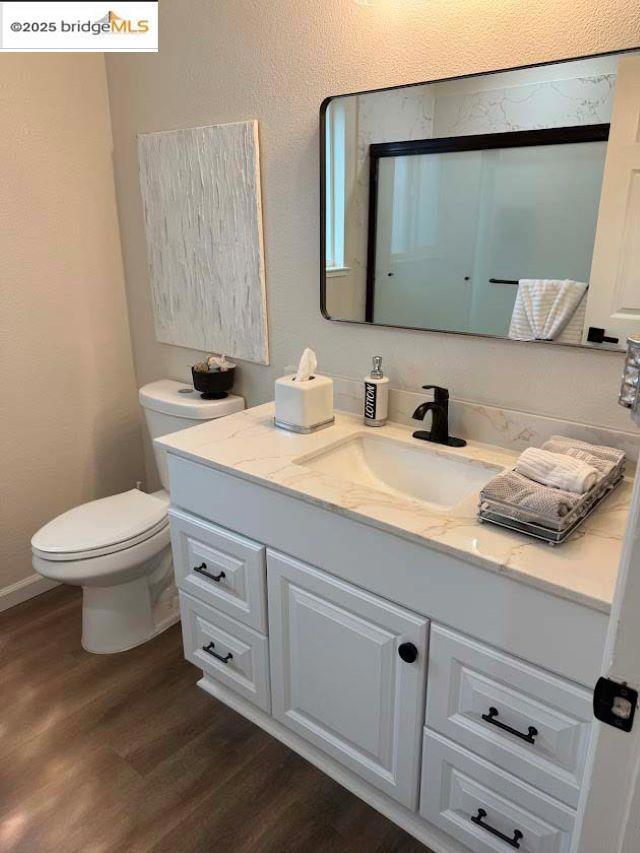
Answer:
(213, 386)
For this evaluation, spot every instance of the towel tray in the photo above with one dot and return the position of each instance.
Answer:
(497, 512)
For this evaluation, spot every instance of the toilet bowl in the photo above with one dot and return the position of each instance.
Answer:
(118, 548)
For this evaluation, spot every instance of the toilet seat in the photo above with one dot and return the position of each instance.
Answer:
(102, 527)
(106, 570)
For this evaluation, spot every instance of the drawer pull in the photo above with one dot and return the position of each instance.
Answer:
(210, 651)
(202, 570)
(512, 842)
(491, 718)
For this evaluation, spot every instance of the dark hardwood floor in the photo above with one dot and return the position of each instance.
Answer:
(124, 753)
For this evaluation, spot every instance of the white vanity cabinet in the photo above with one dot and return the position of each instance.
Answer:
(440, 694)
(348, 672)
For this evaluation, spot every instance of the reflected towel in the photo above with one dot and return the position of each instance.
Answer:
(543, 308)
(559, 470)
(522, 493)
(573, 331)
(604, 458)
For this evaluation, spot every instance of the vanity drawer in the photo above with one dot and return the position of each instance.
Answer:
(463, 795)
(224, 649)
(529, 722)
(222, 568)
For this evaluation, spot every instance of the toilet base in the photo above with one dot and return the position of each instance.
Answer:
(117, 618)
(121, 617)
(106, 649)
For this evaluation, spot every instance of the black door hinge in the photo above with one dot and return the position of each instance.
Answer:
(615, 703)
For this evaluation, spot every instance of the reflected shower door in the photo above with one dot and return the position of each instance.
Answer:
(427, 226)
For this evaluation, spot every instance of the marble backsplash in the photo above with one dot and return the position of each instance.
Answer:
(550, 103)
(490, 424)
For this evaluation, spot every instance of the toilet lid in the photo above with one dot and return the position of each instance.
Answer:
(105, 525)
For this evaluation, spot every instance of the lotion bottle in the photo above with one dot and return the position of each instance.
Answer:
(376, 395)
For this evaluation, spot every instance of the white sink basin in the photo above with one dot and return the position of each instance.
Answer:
(419, 471)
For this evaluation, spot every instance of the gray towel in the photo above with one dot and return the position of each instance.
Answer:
(604, 458)
(522, 493)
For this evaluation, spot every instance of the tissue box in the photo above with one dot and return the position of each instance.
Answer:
(304, 406)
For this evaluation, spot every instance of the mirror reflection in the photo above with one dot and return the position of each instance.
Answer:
(503, 204)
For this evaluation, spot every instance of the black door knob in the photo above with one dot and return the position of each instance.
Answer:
(596, 335)
(408, 652)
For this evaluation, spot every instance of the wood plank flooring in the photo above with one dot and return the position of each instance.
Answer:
(102, 754)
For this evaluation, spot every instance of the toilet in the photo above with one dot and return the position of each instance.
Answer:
(118, 548)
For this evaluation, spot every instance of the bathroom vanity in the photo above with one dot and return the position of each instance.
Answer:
(337, 589)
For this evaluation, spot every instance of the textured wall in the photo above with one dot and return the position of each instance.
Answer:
(235, 60)
(203, 220)
(70, 428)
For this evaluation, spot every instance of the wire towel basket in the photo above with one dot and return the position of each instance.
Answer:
(532, 524)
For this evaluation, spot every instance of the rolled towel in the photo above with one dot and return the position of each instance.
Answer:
(525, 494)
(604, 458)
(557, 470)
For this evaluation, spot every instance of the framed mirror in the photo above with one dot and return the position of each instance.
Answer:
(504, 204)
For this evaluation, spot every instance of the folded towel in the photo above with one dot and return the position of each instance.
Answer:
(543, 308)
(522, 493)
(604, 458)
(558, 470)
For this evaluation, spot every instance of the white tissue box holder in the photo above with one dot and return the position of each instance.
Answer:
(304, 406)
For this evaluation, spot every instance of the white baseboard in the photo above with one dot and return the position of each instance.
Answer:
(23, 590)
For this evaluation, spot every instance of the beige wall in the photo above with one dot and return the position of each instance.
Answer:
(241, 59)
(69, 429)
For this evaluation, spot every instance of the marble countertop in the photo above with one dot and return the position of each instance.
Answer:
(247, 444)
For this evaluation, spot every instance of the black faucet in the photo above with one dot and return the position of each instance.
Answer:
(439, 408)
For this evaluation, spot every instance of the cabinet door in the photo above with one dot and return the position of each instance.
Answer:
(338, 679)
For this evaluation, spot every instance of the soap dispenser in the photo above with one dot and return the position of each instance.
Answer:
(376, 395)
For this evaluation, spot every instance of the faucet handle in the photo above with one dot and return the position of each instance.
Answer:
(440, 395)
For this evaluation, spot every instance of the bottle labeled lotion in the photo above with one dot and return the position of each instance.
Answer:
(376, 395)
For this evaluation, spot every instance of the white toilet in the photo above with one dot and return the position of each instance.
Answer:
(118, 548)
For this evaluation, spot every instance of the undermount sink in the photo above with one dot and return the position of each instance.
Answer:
(423, 472)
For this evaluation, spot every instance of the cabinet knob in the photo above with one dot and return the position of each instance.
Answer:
(408, 652)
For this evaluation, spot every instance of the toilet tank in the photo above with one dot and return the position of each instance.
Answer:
(172, 406)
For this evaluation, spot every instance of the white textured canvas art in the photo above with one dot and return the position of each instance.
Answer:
(203, 220)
